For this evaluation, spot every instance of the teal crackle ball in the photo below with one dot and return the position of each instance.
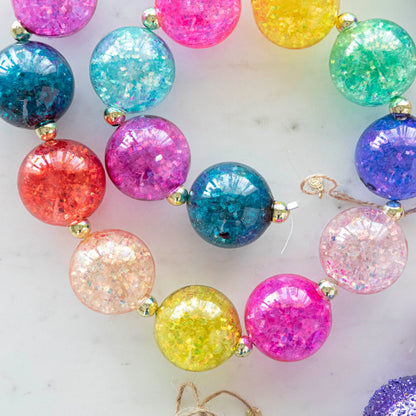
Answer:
(132, 69)
(373, 61)
(36, 84)
(230, 205)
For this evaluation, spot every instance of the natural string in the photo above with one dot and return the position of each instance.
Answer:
(315, 185)
(201, 410)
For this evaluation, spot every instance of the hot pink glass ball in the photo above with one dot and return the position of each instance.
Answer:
(196, 23)
(363, 249)
(54, 17)
(111, 271)
(147, 158)
(288, 317)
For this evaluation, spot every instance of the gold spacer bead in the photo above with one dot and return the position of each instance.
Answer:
(148, 307)
(149, 19)
(81, 229)
(255, 412)
(179, 197)
(394, 210)
(345, 20)
(400, 107)
(280, 212)
(47, 131)
(18, 32)
(244, 347)
(114, 116)
(329, 289)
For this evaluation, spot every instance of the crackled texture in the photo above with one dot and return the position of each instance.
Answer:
(363, 250)
(288, 317)
(147, 158)
(373, 61)
(54, 17)
(36, 84)
(385, 157)
(295, 24)
(132, 68)
(229, 205)
(61, 182)
(197, 328)
(198, 24)
(111, 271)
(396, 398)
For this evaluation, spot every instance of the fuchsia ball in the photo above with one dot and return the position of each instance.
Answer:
(288, 317)
(198, 24)
(147, 158)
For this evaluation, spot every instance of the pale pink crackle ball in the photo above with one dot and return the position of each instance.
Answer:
(288, 317)
(363, 250)
(198, 24)
(111, 271)
(54, 17)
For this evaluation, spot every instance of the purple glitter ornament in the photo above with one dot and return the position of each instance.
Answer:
(396, 398)
(385, 157)
(147, 158)
(53, 17)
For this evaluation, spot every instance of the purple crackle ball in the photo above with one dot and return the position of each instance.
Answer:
(385, 157)
(396, 398)
(147, 158)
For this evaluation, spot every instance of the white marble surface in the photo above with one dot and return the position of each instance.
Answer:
(245, 100)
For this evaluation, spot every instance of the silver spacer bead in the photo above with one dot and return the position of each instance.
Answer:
(114, 116)
(18, 32)
(179, 197)
(345, 20)
(149, 19)
(400, 107)
(81, 229)
(281, 211)
(148, 307)
(47, 131)
(394, 210)
(329, 289)
(244, 347)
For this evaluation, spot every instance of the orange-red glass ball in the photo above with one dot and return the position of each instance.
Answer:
(61, 182)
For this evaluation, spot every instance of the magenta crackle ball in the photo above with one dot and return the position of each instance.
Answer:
(198, 24)
(288, 317)
(363, 250)
(147, 158)
(54, 17)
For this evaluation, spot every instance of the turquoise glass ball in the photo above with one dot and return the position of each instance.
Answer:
(373, 61)
(230, 205)
(132, 69)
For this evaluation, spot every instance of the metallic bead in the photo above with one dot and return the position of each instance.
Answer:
(179, 197)
(19, 32)
(244, 347)
(394, 210)
(329, 288)
(149, 19)
(345, 20)
(47, 131)
(400, 107)
(148, 307)
(254, 412)
(81, 229)
(280, 212)
(114, 116)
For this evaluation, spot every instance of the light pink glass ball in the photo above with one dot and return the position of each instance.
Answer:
(363, 250)
(196, 23)
(111, 271)
(54, 17)
(287, 317)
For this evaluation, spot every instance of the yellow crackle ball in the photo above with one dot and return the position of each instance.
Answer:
(295, 24)
(197, 328)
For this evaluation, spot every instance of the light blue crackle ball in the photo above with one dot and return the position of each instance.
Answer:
(132, 68)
